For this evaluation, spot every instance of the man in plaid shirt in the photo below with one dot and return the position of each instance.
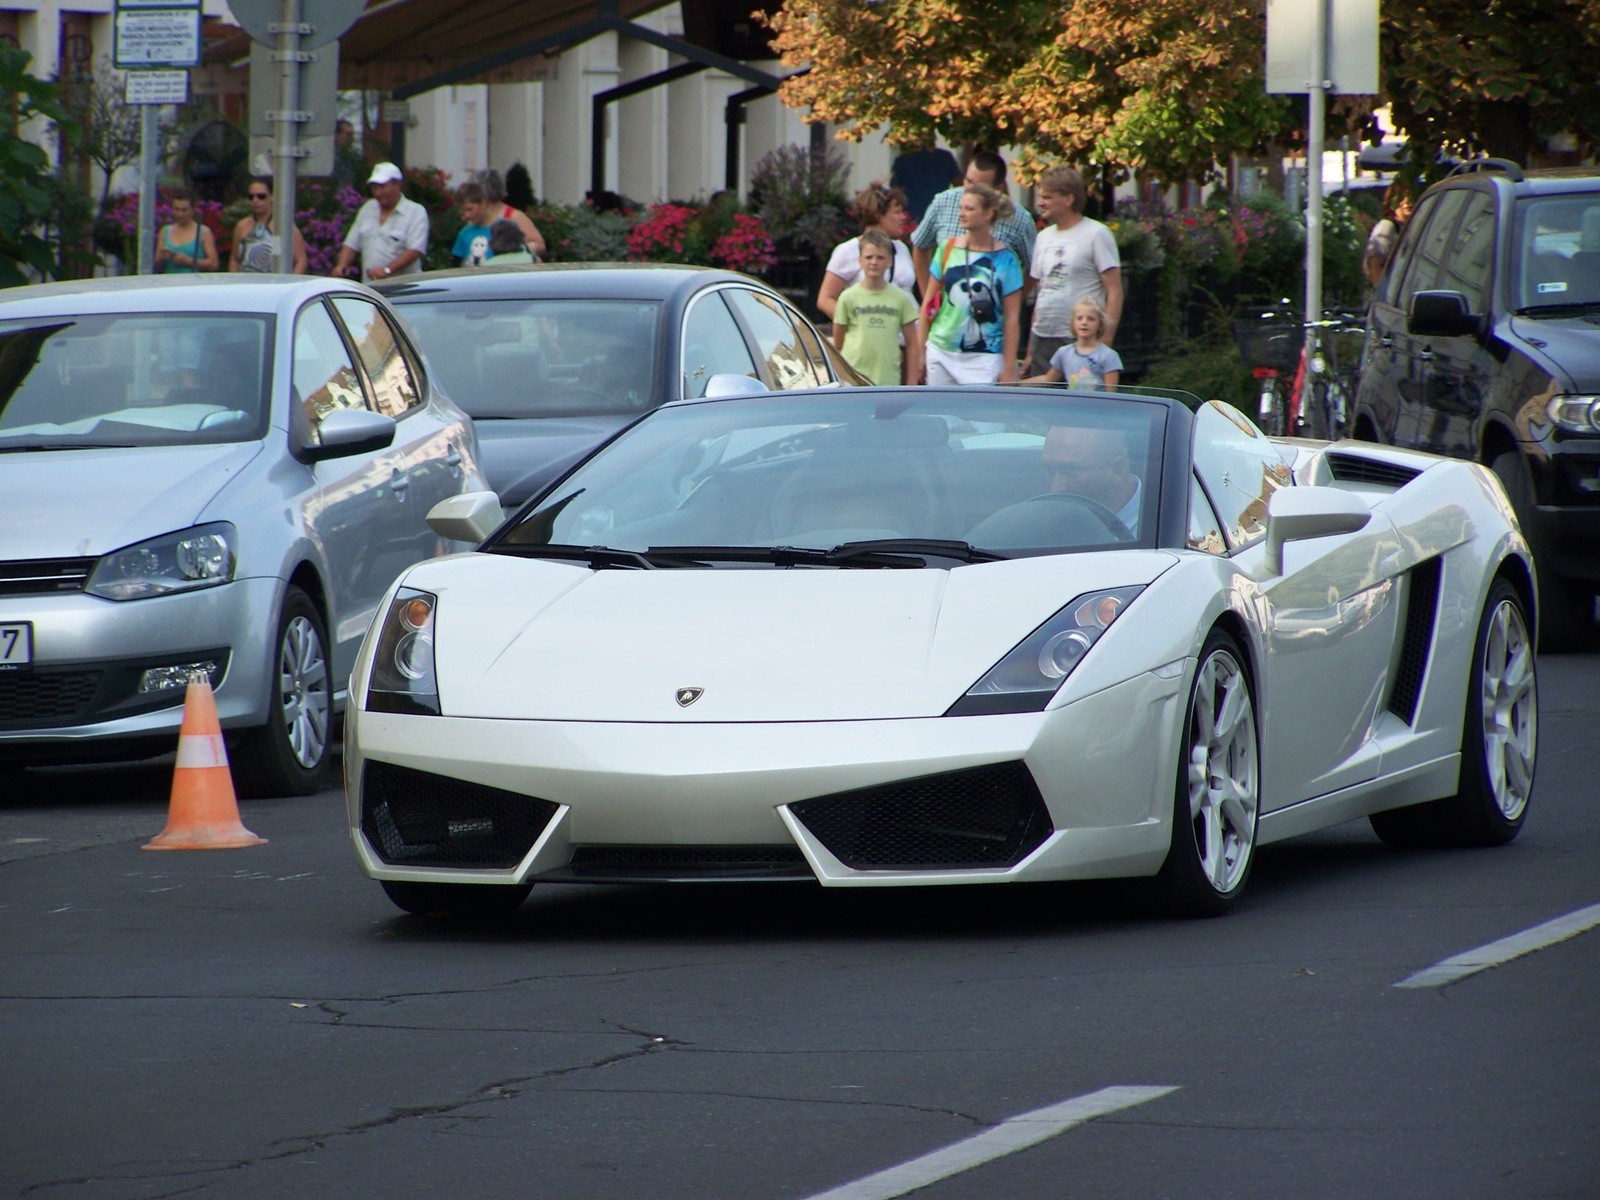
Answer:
(942, 220)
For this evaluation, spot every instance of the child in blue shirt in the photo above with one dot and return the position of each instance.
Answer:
(1085, 362)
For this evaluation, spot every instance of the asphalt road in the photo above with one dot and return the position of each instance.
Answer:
(262, 1023)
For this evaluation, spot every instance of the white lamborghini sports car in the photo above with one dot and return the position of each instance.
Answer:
(884, 637)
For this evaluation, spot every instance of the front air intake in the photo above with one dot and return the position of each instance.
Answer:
(419, 819)
(688, 862)
(1353, 468)
(982, 817)
(1422, 608)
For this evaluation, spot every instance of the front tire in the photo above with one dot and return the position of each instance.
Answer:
(456, 899)
(1218, 796)
(288, 756)
(1499, 742)
(1566, 612)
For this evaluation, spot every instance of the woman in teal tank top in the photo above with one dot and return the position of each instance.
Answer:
(185, 246)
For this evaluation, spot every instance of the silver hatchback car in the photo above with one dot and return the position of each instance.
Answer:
(206, 473)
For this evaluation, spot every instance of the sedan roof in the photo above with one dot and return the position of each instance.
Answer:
(565, 281)
(167, 293)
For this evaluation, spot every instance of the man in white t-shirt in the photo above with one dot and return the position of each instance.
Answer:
(1076, 256)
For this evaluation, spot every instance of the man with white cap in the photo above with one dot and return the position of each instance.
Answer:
(389, 232)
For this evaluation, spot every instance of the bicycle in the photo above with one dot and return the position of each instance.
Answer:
(1319, 375)
(1269, 341)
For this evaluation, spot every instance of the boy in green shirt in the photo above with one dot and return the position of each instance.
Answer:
(874, 316)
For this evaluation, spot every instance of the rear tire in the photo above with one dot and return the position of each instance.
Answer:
(1218, 792)
(1499, 742)
(288, 756)
(1566, 611)
(456, 899)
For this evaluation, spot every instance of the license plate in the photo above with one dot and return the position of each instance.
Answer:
(16, 645)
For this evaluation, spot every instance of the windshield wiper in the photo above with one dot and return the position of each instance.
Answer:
(600, 558)
(35, 447)
(933, 547)
(1567, 306)
(894, 553)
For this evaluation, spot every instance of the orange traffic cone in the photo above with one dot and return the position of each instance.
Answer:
(203, 814)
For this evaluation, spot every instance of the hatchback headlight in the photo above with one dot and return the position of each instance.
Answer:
(1575, 414)
(1026, 679)
(402, 678)
(175, 562)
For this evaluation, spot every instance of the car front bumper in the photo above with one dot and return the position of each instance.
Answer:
(79, 699)
(1105, 768)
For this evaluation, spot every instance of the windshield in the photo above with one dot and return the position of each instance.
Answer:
(133, 379)
(1558, 247)
(1038, 472)
(541, 358)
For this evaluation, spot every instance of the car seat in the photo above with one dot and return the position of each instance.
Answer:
(877, 476)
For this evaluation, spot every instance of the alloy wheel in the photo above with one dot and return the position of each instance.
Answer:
(1223, 789)
(1510, 709)
(303, 691)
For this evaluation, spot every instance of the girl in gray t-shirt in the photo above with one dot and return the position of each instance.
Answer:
(1086, 361)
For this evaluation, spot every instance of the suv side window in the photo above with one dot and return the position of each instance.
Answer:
(775, 336)
(1408, 247)
(712, 345)
(1469, 265)
(1434, 244)
(325, 380)
(1240, 469)
(394, 390)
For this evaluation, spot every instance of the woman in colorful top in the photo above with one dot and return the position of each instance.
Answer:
(185, 246)
(970, 326)
(254, 242)
(1086, 361)
(881, 208)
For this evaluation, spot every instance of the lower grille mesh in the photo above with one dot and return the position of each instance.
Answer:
(982, 817)
(690, 862)
(415, 818)
(45, 697)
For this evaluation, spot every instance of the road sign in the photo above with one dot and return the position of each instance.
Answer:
(328, 19)
(157, 37)
(1352, 45)
(394, 112)
(318, 100)
(158, 87)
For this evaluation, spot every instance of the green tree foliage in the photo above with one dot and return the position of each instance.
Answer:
(1469, 76)
(26, 199)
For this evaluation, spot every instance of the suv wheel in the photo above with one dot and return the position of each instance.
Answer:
(1566, 613)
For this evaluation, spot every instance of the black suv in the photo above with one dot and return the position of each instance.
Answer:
(1484, 343)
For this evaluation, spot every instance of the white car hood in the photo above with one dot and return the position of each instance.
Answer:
(82, 503)
(545, 640)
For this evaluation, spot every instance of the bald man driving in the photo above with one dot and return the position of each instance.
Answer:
(1093, 463)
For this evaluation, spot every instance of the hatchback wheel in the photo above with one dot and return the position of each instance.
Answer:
(1499, 741)
(288, 756)
(1218, 792)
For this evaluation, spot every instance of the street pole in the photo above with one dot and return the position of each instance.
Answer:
(1316, 135)
(286, 151)
(149, 147)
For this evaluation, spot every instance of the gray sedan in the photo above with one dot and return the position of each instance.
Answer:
(216, 474)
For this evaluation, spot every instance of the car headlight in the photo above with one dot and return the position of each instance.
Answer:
(175, 562)
(1026, 679)
(1575, 414)
(402, 677)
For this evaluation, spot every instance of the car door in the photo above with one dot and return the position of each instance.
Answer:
(784, 363)
(1389, 357)
(713, 344)
(428, 440)
(1330, 618)
(1458, 371)
(355, 514)
(1416, 426)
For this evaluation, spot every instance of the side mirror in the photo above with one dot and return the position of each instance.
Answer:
(348, 431)
(720, 386)
(469, 517)
(1442, 314)
(1297, 513)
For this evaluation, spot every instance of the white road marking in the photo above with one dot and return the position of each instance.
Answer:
(1507, 948)
(1012, 1134)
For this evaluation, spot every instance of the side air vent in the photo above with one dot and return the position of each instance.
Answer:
(982, 817)
(419, 819)
(1422, 607)
(1352, 468)
(688, 862)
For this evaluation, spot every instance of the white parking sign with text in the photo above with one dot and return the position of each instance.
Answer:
(157, 37)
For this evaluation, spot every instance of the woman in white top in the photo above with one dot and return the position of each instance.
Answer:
(879, 207)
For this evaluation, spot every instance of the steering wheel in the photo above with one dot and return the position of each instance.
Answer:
(1101, 513)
